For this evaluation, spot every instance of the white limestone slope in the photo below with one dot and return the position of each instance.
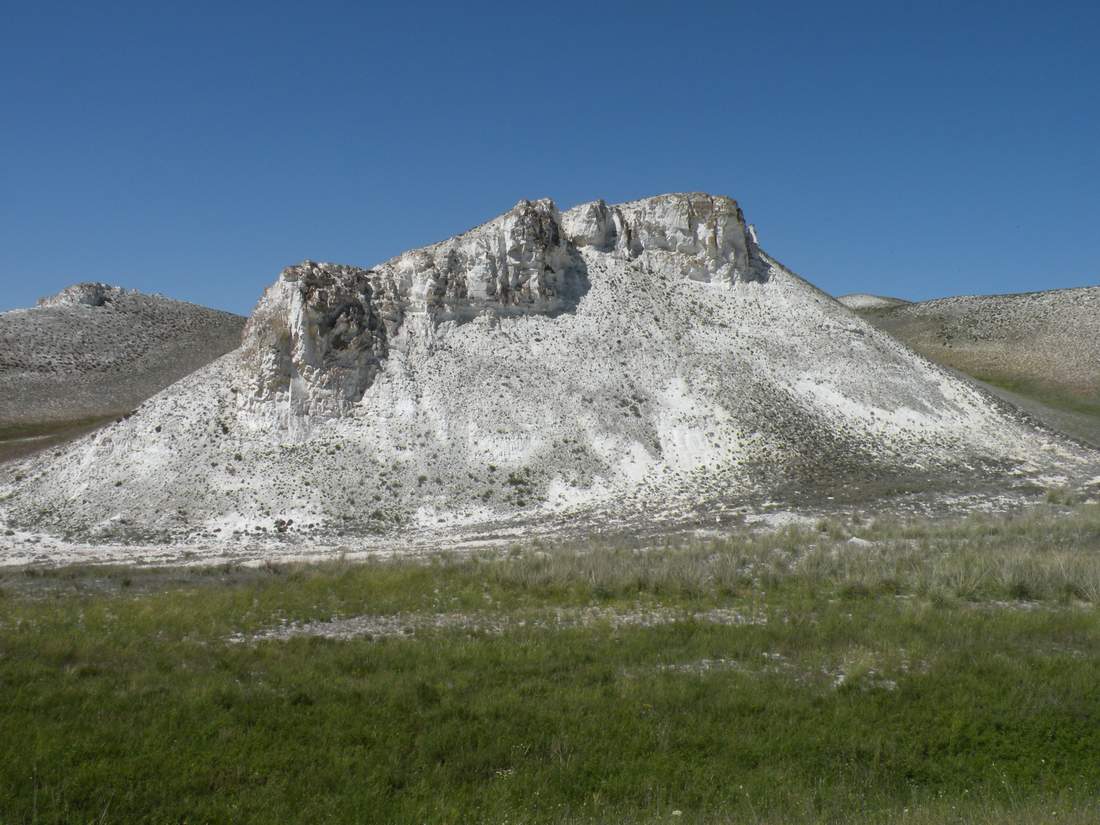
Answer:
(624, 364)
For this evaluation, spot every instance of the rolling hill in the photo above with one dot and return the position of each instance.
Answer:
(1038, 350)
(94, 352)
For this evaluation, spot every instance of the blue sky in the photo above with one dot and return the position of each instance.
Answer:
(194, 149)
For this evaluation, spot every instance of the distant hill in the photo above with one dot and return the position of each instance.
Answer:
(1034, 347)
(862, 300)
(95, 351)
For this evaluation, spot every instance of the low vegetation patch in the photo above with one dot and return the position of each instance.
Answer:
(1048, 392)
(876, 672)
(20, 440)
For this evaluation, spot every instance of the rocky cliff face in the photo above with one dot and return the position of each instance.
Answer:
(518, 263)
(318, 337)
(704, 235)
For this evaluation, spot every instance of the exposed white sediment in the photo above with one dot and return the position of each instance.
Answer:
(611, 365)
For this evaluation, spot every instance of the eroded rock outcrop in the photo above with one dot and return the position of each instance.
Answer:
(89, 293)
(320, 334)
(705, 231)
(518, 263)
(316, 339)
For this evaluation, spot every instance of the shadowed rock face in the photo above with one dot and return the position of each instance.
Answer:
(316, 336)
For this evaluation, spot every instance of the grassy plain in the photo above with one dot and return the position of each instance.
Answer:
(922, 673)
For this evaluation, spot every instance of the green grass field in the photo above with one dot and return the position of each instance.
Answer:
(928, 673)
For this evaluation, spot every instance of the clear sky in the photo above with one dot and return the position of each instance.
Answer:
(194, 149)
